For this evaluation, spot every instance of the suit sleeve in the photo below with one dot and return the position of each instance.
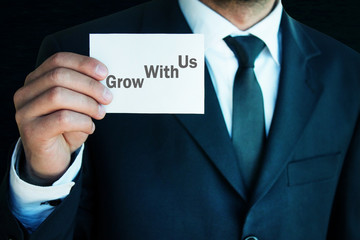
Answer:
(345, 219)
(61, 223)
(32, 204)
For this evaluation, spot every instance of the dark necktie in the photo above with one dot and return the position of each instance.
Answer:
(248, 124)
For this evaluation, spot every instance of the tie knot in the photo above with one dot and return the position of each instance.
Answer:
(245, 48)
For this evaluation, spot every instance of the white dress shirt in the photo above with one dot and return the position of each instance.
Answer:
(27, 200)
(221, 61)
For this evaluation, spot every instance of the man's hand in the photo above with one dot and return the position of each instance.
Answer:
(54, 110)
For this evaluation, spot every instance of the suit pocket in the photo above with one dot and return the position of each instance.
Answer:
(314, 169)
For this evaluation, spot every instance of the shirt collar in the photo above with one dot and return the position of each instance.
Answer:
(215, 27)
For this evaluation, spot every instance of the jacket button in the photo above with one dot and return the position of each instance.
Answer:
(251, 238)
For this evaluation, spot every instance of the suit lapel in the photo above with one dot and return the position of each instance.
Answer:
(208, 130)
(297, 97)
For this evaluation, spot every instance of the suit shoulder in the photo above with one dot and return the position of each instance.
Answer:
(335, 58)
(330, 47)
(76, 39)
(150, 17)
(332, 63)
(128, 20)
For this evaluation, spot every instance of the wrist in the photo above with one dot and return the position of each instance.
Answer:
(32, 176)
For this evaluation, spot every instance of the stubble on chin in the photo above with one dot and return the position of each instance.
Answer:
(248, 3)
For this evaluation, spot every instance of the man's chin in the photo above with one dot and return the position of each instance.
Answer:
(240, 2)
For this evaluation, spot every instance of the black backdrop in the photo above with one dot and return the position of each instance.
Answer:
(24, 23)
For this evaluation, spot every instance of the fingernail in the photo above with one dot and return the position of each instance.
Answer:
(107, 95)
(101, 70)
(93, 127)
(102, 111)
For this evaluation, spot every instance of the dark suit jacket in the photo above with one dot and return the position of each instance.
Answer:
(176, 176)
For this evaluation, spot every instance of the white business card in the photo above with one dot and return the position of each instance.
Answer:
(152, 73)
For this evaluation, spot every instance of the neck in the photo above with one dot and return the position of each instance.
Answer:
(242, 13)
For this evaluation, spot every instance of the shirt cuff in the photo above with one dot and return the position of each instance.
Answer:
(31, 204)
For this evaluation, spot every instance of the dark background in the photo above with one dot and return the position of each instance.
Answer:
(23, 25)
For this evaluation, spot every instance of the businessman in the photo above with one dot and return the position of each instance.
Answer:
(275, 156)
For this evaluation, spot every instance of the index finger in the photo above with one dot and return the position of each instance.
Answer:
(80, 63)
